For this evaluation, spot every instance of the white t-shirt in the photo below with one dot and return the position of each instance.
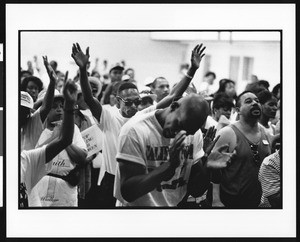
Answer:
(141, 141)
(31, 131)
(54, 191)
(110, 124)
(33, 168)
(210, 122)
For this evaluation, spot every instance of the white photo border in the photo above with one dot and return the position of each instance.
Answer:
(152, 222)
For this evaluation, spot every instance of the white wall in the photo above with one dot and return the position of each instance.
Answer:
(266, 60)
(147, 57)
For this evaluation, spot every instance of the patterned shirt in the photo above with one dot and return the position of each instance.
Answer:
(269, 177)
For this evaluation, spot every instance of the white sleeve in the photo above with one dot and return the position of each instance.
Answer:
(147, 110)
(130, 147)
(198, 151)
(77, 139)
(33, 166)
(105, 118)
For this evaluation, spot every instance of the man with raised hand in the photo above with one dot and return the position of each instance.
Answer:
(32, 124)
(33, 162)
(111, 122)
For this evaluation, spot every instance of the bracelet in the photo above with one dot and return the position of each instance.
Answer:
(188, 76)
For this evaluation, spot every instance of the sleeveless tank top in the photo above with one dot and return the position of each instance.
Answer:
(239, 185)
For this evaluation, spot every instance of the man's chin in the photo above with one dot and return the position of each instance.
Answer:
(131, 113)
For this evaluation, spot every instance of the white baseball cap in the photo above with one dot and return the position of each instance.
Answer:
(26, 100)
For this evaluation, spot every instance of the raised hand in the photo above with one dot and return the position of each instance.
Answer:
(197, 55)
(176, 146)
(220, 159)
(209, 140)
(70, 92)
(66, 77)
(50, 71)
(79, 57)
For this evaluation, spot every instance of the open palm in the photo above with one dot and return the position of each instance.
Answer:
(197, 55)
(79, 57)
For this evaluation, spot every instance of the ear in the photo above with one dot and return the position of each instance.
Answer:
(174, 105)
(237, 109)
(118, 102)
(214, 111)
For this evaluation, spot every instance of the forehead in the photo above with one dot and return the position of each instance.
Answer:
(116, 71)
(272, 100)
(229, 84)
(129, 93)
(31, 83)
(248, 95)
(161, 81)
(57, 101)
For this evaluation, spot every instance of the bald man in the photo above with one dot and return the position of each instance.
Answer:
(159, 156)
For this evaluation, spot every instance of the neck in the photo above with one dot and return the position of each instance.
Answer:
(50, 126)
(250, 125)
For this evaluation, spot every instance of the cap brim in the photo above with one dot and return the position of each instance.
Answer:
(117, 67)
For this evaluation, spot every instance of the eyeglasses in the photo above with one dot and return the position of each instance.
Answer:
(129, 102)
(254, 149)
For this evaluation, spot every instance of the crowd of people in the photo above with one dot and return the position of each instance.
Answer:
(98, 140)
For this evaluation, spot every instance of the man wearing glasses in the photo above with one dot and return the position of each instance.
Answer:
(110, 122)
(239, 184)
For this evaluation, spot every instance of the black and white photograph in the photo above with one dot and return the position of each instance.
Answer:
(130, 121)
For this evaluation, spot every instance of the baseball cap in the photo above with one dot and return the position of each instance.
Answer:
(148, 81)
(41, 97)
(116, 66)
(125, 77)
(26, 100)
(147, 93)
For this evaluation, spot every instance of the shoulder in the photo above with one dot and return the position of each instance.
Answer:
(227, 130)
(29, 155)
(227, 137)
(272, 160)
(137, 124)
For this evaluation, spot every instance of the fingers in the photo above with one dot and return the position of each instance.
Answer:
(214, 142)
(211, 132)
(199, 48)
(78, 46)
(74, 50)
(66, 76)
(214, 133)
(195, 49)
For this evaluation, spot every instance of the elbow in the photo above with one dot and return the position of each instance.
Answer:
(127, 194)
(65, 142)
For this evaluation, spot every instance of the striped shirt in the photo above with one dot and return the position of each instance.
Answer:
(269, 177)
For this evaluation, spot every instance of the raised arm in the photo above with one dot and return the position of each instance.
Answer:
(82, 60)
(48, 100)
(179, 89)
(67, 129)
